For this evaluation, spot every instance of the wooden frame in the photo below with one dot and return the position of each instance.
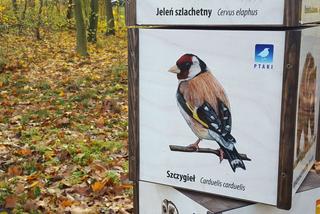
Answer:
(288, 115)
(131, 18)
(290, 19)
(288, 118)
(133, 76)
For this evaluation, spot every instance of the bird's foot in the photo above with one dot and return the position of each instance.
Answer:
(221, 155)
(194, 146)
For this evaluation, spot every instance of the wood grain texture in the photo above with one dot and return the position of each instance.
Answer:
(288, 118)
(292, 13)
(133, 77)
(312, 181)
(131, 16)
(215, 204)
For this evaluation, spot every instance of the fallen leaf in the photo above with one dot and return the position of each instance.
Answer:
(64, 122)
(63, 155)
(100, 123)
(81, 190)
(127, 186)
(61, 94)
(30, 206)
(24, 152)
(81, 210)
(67, 203)
(98, 186)
(14, 171)
(19, 188)
(11, 201)
(32, 177)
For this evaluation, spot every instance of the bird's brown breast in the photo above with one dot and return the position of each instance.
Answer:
(204, 87)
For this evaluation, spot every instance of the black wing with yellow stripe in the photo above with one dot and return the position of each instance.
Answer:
(205, 114)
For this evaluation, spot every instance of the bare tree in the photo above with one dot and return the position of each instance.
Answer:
(93, 21)
(37, 29)
(110, 18)
(81, 29)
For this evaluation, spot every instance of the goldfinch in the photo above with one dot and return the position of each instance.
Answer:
(204, 105)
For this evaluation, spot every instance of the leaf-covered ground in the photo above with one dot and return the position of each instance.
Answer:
(63, 126)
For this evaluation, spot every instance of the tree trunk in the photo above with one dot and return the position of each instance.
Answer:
(81, 29)
(93, 21)
(110, 19)
(15, 6)
(37, 31)
(15, 10)
(32, 3)
(69, 11)
(23, 15)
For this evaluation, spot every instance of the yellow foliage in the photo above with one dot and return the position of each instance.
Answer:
(2, 16)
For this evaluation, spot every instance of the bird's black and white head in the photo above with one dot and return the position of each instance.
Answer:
(168, 207)
(188, 66)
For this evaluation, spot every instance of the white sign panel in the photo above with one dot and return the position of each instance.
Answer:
(303, 202)
(310, 11)
(229, 117)
(159, 199)
(210, 12)
(308, 103)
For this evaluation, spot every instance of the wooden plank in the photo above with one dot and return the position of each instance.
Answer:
(288, 118)
(312, 181)
(292, 13)
(133, 86)
(215, 204)
(131, 16)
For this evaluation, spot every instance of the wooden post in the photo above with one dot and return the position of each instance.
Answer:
(131, 17)
(133, 76)
(292, 13)
(288, 118)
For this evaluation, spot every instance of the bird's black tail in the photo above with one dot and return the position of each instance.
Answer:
(234, 158)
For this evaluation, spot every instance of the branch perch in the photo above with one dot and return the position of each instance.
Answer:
(177, 148)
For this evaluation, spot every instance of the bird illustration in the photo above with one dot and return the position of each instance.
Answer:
(306, 105)
(168, 207)
(204, 105)
(264, 53)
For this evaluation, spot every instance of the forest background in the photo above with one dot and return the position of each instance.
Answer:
(63, 107)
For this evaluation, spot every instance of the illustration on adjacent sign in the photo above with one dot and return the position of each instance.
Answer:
(205, 106)
(306, 108)
(168, 207)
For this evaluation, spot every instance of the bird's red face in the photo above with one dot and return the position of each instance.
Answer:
(188, 66)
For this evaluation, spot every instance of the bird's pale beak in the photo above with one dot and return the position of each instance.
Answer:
(174, 69)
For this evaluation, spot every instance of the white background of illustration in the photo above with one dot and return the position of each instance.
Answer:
(310, 17)
(255, 97)
(309, 43)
